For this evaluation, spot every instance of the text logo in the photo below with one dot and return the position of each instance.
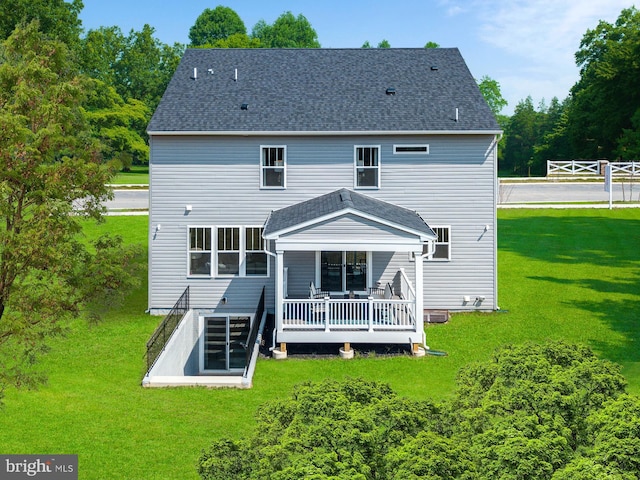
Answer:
(46, 467)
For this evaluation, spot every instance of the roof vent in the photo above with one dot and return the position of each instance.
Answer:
(390, 91)
(244, 106)
(434, 68)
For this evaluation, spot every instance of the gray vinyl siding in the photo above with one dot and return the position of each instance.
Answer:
(349, 225)
(219, 177)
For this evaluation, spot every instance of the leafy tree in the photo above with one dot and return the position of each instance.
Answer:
(606, 98)
(100, 52)
(58, 18)
(326, 430)
(432, 45)
(132, 73)
(533, 411)
(366, 44)
(51, 176)
(521, 134)
(490, 90)
(216, 25)
(286, 32)
(237, 40)
(117, 124)
(384, 44)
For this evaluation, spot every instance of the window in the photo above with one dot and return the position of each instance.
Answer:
(367, 167)
(442, 250)
(228, 251)
(411, 149)
(235, 251)
(200, 251)
(273, 167)
(255, 258)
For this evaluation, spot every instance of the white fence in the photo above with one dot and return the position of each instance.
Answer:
(591, 167)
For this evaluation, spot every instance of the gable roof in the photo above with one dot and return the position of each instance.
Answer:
(322, 90)
(338, 203)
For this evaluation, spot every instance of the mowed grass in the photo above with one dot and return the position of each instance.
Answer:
(563, 274)
(138, 175)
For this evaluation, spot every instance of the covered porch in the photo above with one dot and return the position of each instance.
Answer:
(343, 234)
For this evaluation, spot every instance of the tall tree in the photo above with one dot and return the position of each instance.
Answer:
(215, 25)
(51, 176)
(431, 45)
(521, 135)
(490, 90)
(286, 32)
(58, 18)
(607, 96)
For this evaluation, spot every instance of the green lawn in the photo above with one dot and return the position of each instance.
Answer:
(570, 274)
(139, 175)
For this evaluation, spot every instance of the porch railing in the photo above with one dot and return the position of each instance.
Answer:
(161, 336)
(348, 314)
(403, 287)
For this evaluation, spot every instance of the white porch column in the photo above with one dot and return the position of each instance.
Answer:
(419, 283)
(279, 289)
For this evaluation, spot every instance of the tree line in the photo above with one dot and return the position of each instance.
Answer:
(599, 119)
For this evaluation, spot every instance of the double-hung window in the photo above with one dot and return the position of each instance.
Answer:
(273, 166)
(255, 257)
(442, 250)
(367, 166)
(228, 252)
(200, 251)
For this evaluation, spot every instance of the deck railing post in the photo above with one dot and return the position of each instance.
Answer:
(370, 313)
(326, 314)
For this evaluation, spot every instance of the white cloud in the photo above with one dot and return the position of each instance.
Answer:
(539, 38)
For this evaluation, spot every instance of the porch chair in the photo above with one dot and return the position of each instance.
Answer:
(315, 293)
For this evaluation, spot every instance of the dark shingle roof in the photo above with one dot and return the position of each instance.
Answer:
(340, 200)
(322, 90)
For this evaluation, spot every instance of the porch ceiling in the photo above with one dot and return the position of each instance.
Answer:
(346, 220)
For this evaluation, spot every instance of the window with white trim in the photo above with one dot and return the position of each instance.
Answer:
(367, 166)
(273, 164)
(442, 250)
(255, 258)
(422, 149)
(199, 251)
(228, 251)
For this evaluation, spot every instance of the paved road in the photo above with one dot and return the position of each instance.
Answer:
(541, 192)
(129, 200)
(510, 193)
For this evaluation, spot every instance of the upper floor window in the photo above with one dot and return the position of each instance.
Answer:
(367, 167)
(199, 251)
(411, 149)
(273, 164)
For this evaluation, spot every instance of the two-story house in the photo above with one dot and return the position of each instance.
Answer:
(357, 187)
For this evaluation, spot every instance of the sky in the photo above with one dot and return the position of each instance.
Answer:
(527, 46)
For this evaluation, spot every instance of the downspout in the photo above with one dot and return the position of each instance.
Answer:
(266, 251)
(430, 251)
(273, 339)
